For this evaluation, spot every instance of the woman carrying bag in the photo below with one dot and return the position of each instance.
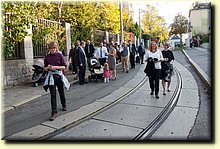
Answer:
(153, 55)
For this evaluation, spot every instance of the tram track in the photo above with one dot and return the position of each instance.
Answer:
(108, 106)
(149, 130)
(143, 135)
(155, 124)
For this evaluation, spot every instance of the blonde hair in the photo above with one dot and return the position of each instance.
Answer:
(151, 45)
(166, 44)
(106, 66)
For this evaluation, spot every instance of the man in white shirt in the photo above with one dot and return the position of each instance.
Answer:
(101, 54)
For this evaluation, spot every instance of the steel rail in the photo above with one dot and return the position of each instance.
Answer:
(96, 112)
(157, 122)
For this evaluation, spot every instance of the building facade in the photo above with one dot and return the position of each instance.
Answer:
(200, 18)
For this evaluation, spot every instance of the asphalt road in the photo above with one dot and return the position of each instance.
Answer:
(202, 129)
(38, 111)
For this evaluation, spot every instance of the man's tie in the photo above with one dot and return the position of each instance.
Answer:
(101, 52)
(88, 49)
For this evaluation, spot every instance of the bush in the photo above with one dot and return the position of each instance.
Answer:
(204, 38)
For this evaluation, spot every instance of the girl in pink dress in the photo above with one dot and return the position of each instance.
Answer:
(106, 73)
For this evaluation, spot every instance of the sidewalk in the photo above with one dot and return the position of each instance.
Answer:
(16, 96)
(200, 58)
(19, 95)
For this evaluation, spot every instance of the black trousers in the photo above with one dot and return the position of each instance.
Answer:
(155, 81)
(82, 73)
(142, 58)
(132, 60)
(102, 61)
(59, 84)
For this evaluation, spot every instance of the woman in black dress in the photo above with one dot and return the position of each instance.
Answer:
(167, 68)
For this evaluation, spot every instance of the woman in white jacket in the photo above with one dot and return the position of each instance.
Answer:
(156, 55)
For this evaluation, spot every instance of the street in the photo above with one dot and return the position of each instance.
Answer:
(37, 112)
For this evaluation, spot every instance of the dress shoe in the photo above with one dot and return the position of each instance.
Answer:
(53, 116)
(157, 96)
(64, 108)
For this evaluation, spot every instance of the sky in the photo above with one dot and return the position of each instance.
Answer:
(167, 8)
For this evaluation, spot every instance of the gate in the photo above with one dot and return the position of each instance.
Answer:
(44, 32)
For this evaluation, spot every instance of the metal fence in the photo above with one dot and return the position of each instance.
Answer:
(98, 37)
(40, 44)
(112, 37)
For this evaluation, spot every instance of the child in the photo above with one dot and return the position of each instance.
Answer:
(106, 73)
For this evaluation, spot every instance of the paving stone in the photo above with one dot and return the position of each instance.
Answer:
(177, 126)
(98, 130)
(74, 116)
(130, 115)
(189, 98)
(32, 133)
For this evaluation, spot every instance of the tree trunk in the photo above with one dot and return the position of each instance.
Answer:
(181, 42)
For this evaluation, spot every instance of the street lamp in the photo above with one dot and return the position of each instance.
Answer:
(121, 23)
(187, 31)
(140, 10)
(59, 10)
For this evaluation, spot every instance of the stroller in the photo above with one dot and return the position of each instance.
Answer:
(39, 73)
(96, 70)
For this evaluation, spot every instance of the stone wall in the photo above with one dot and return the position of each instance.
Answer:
(15, 72)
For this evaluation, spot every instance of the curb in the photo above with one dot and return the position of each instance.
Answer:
(201, 73)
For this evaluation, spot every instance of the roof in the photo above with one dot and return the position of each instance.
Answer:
(174, 37)
(200, 6)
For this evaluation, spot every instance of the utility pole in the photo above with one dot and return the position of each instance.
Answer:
(121, 22)
(151, 19)
(59, 10)
(140, 11)
(139, 26)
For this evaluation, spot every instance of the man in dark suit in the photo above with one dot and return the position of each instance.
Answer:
(81, 62)
(141, 52)
(89, 49)
(132, 50)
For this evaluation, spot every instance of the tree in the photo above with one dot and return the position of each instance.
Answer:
(14, 23)
(84, 18)
(18, 16)
(154, 25)
(179, 26)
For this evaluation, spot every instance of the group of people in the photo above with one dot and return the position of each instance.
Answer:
(108, 55)
(159, 66)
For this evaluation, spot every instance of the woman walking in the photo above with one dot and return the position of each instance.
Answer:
(167, 68)
(156, 56)
(54, 63)
(112, 61)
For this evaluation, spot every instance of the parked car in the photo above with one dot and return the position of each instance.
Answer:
(177, 44)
